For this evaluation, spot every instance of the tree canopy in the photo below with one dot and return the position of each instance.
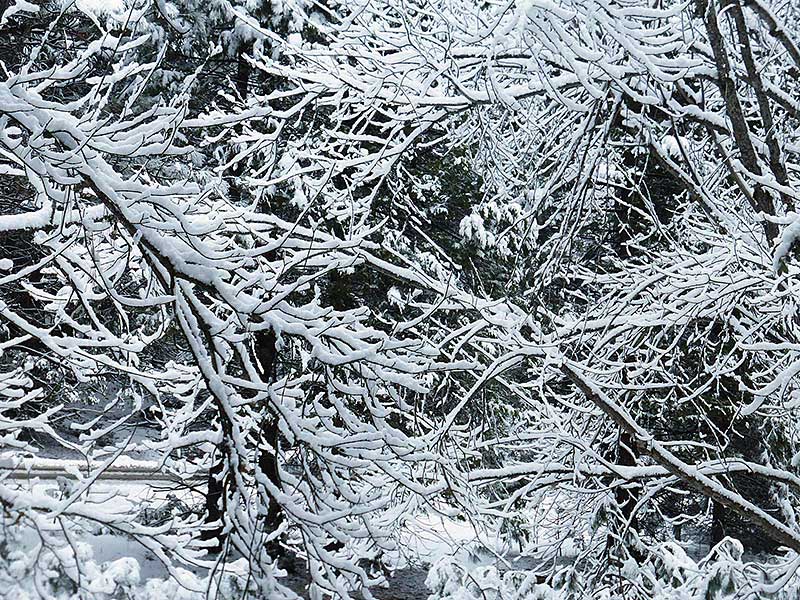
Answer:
(337, 267)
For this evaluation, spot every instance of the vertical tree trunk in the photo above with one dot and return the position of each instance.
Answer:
(243, 72)
(265, 342)
(265, 348)
(216, 491)
(625, 498)
(266, 352)
(717, 522)
(215, 506)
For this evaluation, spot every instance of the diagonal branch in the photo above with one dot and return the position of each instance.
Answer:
(688, 474)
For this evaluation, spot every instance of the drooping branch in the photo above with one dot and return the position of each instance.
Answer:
(690, 475)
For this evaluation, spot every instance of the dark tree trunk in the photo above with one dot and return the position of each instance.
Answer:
(216, 493)
(266, 352)
(625, 497)
(243, 69)
(215, 506)
(717, 522)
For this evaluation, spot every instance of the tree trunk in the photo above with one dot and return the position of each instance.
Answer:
(717, 522)
(215, 506)
(266, 352)
(216, 491)
(625, 498)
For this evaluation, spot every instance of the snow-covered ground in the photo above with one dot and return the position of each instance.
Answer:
(438, 557)
(116, 562)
